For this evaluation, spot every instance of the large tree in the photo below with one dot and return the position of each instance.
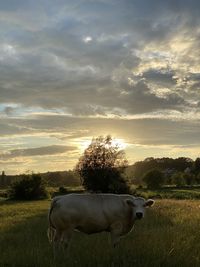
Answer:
(102, 165)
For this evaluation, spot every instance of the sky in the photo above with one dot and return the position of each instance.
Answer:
(73, 70)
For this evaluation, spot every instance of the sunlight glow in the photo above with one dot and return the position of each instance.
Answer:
(120, 143)
(87, 39)
(84, 143)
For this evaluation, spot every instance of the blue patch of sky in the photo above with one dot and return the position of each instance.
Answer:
(20, 111)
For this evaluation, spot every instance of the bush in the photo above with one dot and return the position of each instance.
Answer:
(30, 187)
(154, 179)
(3, 194)
(118, 185)
(63, 190)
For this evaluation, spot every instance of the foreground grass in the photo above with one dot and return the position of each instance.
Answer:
(168, 236)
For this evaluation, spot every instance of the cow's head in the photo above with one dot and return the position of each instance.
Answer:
(139, 204)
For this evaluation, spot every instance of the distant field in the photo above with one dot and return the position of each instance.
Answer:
(187, 192)
(168, 236)
(168, 192)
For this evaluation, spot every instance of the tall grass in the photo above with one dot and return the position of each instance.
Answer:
(169, 235)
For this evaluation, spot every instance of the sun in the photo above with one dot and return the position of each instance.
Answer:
(119, 142)
(84, 143)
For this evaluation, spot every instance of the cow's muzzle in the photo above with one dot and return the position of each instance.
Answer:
(139, 215)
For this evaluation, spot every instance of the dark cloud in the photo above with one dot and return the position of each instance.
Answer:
(8, 129)
(162, 78)
(38, 151)
(53, 66)
(9, 110)
(142, 131)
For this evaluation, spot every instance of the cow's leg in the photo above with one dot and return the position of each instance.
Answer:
(56, 242)
(115, 239)
(116, 230)
(66, 238)
(115, 233)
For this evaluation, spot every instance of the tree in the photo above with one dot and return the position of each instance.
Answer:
(3, 179)
(178, 179)
(102, 166)
(189, 178)
(28, 187)
(198, 178)
(197, 165)
(163, 164)
(154, 178)
(182, 163)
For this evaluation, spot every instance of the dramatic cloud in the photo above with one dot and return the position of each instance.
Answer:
(71, 70)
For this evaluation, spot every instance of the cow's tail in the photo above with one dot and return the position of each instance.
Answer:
(51, 228)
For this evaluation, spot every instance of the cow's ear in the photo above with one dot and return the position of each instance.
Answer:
(149, 203)
(130, 202)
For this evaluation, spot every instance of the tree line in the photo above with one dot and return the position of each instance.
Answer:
(52, 179)
(180, 171)
(103, 167)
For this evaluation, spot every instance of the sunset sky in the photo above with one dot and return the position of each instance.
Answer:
(73, 70)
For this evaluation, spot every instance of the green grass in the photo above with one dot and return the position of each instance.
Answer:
(169, 235)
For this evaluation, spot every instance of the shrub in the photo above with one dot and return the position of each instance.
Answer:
(63, 190)
(28, 188)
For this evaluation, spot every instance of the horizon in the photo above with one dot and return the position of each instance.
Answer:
(71, 71)
(66, 170)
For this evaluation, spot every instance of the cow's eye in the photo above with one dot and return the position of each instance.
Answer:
(130, 202)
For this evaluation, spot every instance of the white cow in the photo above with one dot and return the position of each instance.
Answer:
(94, 213)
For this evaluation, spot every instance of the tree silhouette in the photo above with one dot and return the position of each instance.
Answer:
(102, 166)
(197, 165)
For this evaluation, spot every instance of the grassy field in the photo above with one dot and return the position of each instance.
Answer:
(169, 192)
(169, 235)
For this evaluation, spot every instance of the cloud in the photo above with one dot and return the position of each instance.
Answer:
(38, 151)
(139, 130)
(125, 66)
(9, 110)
